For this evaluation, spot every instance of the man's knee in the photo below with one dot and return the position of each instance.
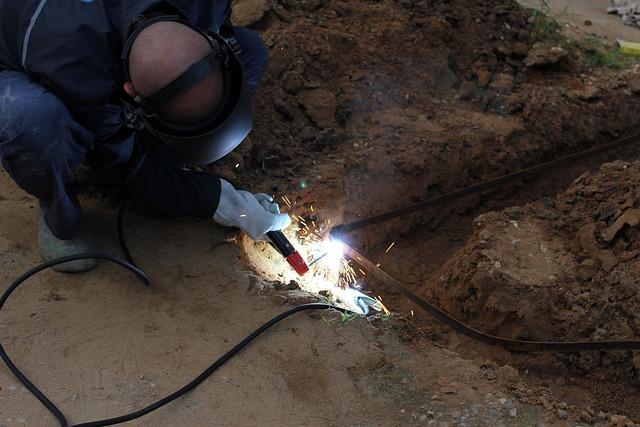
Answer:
(38, 137)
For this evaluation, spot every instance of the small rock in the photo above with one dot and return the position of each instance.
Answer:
(448, 390)
(320, 106)
(248, 12)
(630, 217)
(588, 23)
(293, 285)
(562, 414)
(607, 259)
(293, 82)
(270, 162)
(542, 54)
(587, 93)
(513, 412)
(620, 420)
(584, 416)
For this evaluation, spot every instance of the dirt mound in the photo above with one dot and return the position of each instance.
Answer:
(369, 105)
(565, 268)
(413, 98)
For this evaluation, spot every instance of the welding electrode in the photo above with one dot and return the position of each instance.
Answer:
(286, 249)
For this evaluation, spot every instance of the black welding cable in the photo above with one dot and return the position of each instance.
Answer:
(144, 278)
(120, 231)
(440, 199)
(211, 369)
(20, 280)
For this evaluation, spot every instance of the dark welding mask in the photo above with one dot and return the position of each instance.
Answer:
(227, 127)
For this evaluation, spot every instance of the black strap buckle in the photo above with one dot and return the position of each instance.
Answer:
(132, 118)
(233, 44)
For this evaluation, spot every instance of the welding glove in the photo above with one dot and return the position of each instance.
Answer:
(256, 214)
(357, 301)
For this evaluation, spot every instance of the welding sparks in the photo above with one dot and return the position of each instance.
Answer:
(389, 248)
(286, 200)
(384, 308)
(324, 254)
(329, 262)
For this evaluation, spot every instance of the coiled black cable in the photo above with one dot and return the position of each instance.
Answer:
(120, 231)
(20, 280)
(145, 279)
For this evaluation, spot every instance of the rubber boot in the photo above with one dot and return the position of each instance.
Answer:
(52, 247)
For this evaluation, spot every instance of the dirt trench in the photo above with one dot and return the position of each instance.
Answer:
(390, 102)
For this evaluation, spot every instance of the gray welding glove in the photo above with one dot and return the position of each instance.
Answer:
(255, 214)
(357, 301)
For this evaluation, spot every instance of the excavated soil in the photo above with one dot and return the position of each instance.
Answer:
(371, 105)
(563, 268)
(413, 98)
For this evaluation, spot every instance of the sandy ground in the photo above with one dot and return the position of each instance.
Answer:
(576, 12)
(101, 344)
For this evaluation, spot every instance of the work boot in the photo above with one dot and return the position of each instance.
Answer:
(52, 247)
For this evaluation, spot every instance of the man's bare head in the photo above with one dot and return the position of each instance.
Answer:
(160, 54)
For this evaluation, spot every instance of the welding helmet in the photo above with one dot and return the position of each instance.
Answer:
(227, 127)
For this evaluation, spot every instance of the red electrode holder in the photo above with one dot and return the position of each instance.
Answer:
(288, 251)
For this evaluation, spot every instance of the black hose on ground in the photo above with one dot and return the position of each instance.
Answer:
(19, 281)
(170, 398)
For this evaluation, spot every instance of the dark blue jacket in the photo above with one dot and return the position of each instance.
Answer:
(73, 47)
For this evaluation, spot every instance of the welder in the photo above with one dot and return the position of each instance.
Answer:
(143, 92)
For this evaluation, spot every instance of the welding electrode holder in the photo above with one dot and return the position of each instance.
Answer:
(288, 251)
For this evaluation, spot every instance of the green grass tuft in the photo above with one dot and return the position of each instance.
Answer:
(544, 27)
(598, 55)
